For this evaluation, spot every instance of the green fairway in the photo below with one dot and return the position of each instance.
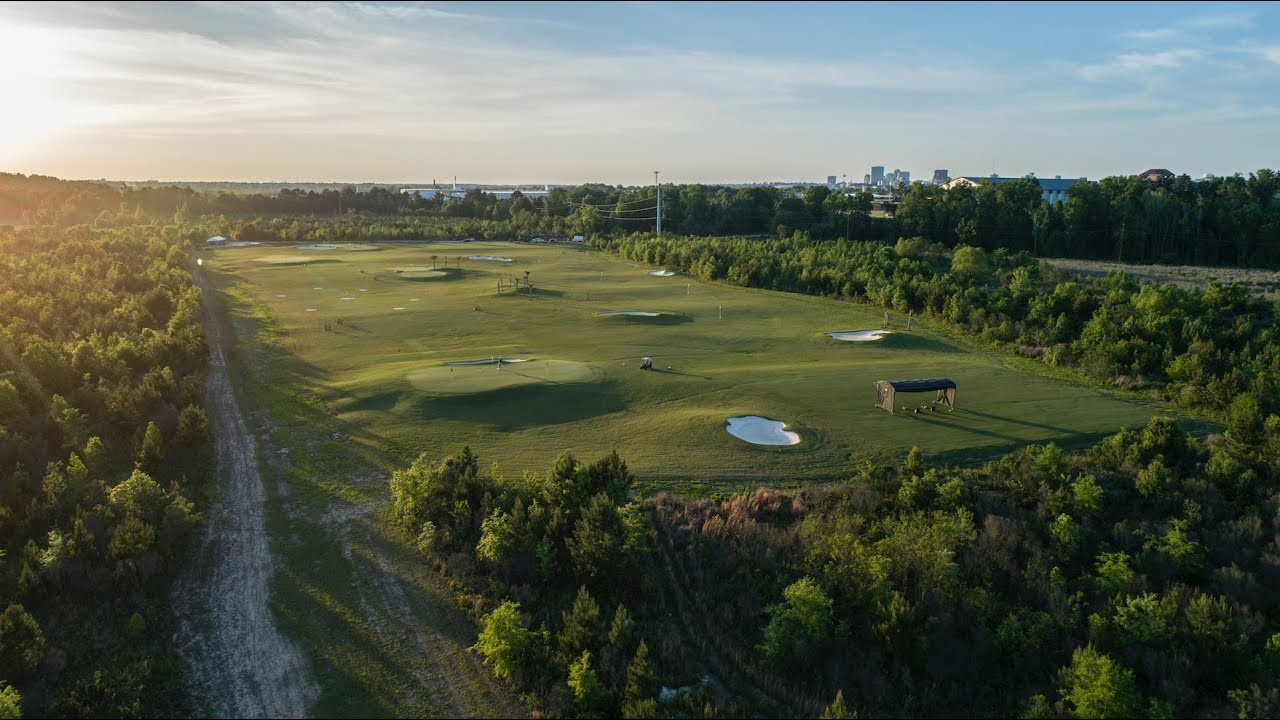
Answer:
(373, 329)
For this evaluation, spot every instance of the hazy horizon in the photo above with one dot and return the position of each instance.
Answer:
(574, 93)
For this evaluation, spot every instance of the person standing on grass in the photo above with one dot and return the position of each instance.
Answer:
(886, 318)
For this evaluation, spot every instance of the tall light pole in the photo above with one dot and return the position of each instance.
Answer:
(655, 182)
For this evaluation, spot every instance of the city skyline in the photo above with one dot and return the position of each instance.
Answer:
(568, 93)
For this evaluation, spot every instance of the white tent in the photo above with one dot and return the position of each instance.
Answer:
(216, 239)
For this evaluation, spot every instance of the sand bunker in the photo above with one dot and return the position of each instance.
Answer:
(761, 431)
(417, 273)
(364, 289)
(242, 243)
(641, 313)
(281, 296)
(661, 273)
(311, 309)
(347, 297)
(340, 246)
(488, 257)
(490, 361)
(397, 308)
(859, 335)
(292, 260)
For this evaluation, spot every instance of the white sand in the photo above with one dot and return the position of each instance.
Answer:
(242, 243)
(347, 298)
(317, 288)
(488, 257)
(492, 361)
(280, 296)
(641, 313)
(413, 299)
(859, 335)
(419, 272)
(364, 290)
(661, 273)
(311, 309)
(761, 431)
(397, 308)
(317, 247)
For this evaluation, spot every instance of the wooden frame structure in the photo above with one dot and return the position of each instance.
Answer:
(887, 390)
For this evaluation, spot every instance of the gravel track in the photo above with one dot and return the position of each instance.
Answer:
(237, 663)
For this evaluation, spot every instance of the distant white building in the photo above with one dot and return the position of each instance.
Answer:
(457, 193)
(1051, 190)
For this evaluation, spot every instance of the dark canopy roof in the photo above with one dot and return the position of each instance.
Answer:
(920, 385)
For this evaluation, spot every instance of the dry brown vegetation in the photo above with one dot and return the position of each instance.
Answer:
(1265, 283)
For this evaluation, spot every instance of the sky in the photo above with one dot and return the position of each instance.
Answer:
(569, 93)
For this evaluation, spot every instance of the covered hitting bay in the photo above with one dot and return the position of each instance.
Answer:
(887, 389)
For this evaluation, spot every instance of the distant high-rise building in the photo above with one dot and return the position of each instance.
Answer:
(904, 177)
(939, 177)
(866, 179)
(831, 182)
(877, 174)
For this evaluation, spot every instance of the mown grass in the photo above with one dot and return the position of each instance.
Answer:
(380, 373)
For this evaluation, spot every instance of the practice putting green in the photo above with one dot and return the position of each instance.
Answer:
(718, 352)
(489, 377)
(292, 259)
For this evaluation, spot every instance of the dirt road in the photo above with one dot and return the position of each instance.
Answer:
(368, 634)
(237, 662)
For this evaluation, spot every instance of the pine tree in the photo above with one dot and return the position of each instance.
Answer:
(619, 631)
(641, 684)
(837, 710)
(581, 626)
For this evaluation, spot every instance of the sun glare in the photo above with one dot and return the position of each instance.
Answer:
(31, 60)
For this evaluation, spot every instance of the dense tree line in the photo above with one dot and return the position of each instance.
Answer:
(1231, 220)
(1196, 348)
(559, 571)
(1134, 579)
(103, 443)
(386, 213)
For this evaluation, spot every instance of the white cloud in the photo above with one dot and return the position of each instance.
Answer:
(1153, 34)
(1219, 20)
(334, 74)
(1179, 29)
(1141, 63)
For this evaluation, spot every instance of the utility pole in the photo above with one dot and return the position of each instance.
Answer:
(655, 182)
